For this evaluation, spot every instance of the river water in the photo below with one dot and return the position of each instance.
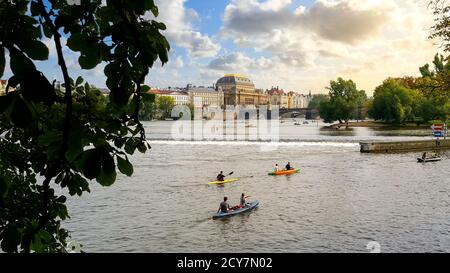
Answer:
(340, 202)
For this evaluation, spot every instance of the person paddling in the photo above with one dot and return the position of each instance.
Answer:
(243, 202)
(220, 176)
(277, 169)
(288, 166)
(224, 206)
(424, 156)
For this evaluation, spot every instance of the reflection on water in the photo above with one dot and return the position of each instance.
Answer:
(341, 200)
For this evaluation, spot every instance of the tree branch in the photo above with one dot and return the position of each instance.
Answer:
(65, 72)
(68, 115)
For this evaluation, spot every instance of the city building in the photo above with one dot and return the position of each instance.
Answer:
(297, 100)
(180, 97)
(278, 98)
(202, 97)
(240, 90)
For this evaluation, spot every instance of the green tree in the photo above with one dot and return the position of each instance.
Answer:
(317, 100)
(344, 99)
(68, 137)
(393, 102)
(165, 105)
(441, 28)
(435, 83)
(148, 108)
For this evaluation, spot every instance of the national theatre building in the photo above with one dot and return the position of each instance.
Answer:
(240, 90)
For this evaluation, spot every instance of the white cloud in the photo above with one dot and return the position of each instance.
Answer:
(238, 61)
(331, 38)
(180, 29)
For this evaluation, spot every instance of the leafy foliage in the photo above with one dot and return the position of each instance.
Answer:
(415, 99)
(392, 102)
(344, 101)
(165, 105)
(158, 107)
(66, 137)
(441, 28)
(317, 100)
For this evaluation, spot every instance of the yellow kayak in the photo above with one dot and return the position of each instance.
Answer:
(223, 182)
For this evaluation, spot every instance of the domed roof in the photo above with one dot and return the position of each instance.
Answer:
(234, 79)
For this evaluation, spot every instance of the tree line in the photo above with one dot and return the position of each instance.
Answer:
(417, 100)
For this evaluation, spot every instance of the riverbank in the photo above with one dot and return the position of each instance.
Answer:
(378, 125)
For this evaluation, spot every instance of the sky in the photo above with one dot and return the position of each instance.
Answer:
(298, 45)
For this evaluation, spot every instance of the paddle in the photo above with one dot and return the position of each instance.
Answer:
(229, 174)
(250, 176)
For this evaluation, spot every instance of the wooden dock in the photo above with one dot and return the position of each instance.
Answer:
(404, 146)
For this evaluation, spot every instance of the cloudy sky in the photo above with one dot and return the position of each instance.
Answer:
(299, 45)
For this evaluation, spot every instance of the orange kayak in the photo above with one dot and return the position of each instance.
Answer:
(285, 172)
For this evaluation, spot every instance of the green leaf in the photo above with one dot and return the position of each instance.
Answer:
(142, 147)
(49, 137)
(155, 11)
(34, 8)
(6, 102)
(89, 163)
(2, 61)
(10, 238)
(77, 42)
(159, 25)
(89, 62)
(87, 88)
(148, 98)
(79, 81)
(20, 64)
(47, 31)
(21, 114)
(36, 50)
(124, 166)
(5, 182)
(75, 146)
(108, 173)
(41, 241)
(130, 146)
(145, 88)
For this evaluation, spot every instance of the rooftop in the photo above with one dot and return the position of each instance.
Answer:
(234, 78)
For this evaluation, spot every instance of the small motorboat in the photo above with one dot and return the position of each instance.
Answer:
(430, 159)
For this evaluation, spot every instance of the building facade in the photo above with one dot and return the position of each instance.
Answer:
(240, 90)
(202, 97)
(279, 98)
(180, 97)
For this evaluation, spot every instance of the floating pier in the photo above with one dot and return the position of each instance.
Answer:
(404, 146)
